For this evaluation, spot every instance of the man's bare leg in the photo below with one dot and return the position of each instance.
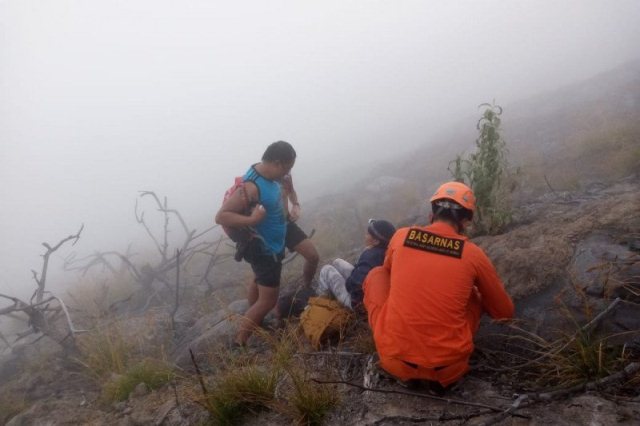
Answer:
(267, 298)
(311, 257)
(252, 293)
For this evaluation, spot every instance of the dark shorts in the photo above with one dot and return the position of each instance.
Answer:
(295, 236)
(266, 267)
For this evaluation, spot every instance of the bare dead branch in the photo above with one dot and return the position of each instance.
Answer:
(508, 412)
(6, 342)
(141, 221)
(198, 373)
(72, 329)
(591, 324)
(177, 301)
(211, 228)
(45, 264)
(17, 304)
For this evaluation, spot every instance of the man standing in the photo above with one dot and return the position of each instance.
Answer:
(261, 192)
(424, 304)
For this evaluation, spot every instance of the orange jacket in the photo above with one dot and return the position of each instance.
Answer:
(434, 273)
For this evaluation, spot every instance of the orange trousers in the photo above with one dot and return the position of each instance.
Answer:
(376, 292)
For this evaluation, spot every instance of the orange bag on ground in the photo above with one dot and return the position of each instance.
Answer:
(323, 319)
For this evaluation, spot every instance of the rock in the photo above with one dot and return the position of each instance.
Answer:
(591, 410)
(120, 406)
(238, 306)
(8, 366)
(141, 418)
(163, 412)
(215, 336)
(589, 264)
(20, 419)
(141, 389)
(208, 331)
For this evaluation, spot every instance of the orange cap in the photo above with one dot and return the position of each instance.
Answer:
(457, 192)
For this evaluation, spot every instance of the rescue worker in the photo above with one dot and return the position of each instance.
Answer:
(424, 304)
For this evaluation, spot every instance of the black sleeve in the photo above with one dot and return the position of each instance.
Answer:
(369, 259)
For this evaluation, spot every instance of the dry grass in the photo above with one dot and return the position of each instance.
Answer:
(308, 402)
(105, 350)
(10, 405)
(575, 355)
(277, 380)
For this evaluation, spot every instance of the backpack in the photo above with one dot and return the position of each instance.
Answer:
(240, 235)
(324, 319)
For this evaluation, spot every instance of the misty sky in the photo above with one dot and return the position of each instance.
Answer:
(102, 98)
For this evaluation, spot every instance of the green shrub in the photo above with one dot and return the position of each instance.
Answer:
(152, 373)
(240, 390)
(311, 402)
(486, 172)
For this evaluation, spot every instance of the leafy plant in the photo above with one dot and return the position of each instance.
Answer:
(486, 172)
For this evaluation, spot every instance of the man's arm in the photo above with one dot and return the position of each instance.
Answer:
(495, 300)
(230, 214)
(290, 195)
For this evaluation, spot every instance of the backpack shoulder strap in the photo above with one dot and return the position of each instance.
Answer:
(251, 178)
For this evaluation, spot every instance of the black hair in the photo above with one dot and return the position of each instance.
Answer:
(455, 216)
(280, 151)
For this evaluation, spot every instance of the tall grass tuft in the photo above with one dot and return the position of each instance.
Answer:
(310, 401)
(105, 350)
(239, 391)
(154, 374)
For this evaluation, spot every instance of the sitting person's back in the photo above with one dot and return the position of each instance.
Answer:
(424, 304)
(343, 280)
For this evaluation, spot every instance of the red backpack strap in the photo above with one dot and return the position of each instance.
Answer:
(241, 185)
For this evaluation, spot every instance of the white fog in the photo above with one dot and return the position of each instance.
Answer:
(101, 99)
